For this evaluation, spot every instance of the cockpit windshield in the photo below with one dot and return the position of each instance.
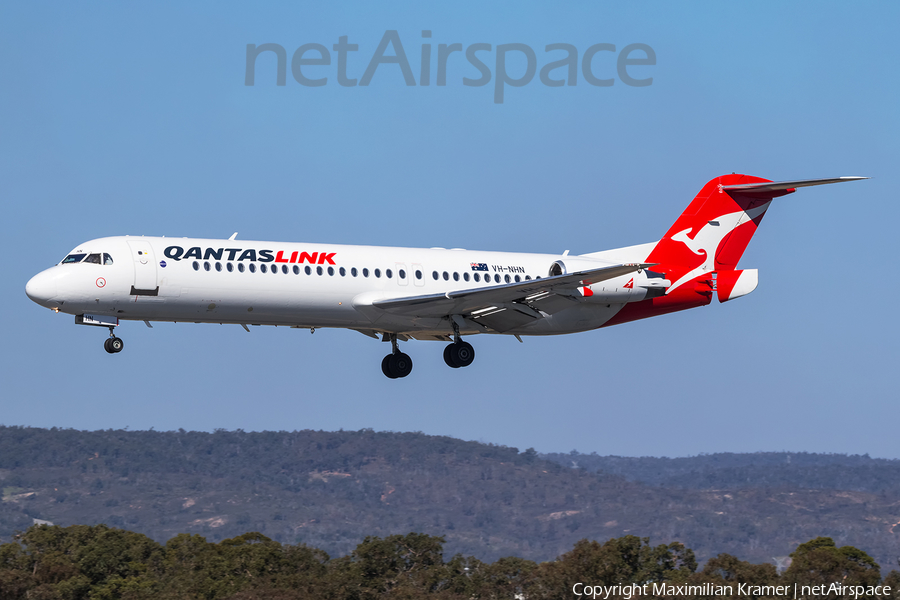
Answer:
(96, 258)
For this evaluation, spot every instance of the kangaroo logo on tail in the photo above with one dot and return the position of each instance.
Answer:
(707, 240)
(692, 244)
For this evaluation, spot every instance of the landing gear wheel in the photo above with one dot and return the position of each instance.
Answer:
(400, 364)
(463, 354)
(386, 367)
(106, 346)
(448, 356)
(459, 354)
(115, 345)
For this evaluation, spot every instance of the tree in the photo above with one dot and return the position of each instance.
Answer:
(820, 561)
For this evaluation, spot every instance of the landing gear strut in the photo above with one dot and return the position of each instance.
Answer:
(396, 364)
(113, 344)
(459, 353)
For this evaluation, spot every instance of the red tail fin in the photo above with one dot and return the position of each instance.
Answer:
(714, 230)
(710, 235)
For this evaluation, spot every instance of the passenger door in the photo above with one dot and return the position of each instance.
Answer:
(145, 283)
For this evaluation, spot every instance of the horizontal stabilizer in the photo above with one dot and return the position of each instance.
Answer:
(775, 186)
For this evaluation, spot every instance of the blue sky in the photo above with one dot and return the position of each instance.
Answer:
(134, 119)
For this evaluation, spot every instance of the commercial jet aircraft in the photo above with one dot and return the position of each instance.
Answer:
(396, 294)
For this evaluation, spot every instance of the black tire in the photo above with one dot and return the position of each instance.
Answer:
(106, 346)
(116, 344)
(463, 354)
(385, 367)
(400, 364)
(448, 356)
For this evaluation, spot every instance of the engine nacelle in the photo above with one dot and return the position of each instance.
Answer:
(574, 264)
(734, 284)
(632, 287)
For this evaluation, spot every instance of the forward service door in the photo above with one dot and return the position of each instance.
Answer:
(145, 283)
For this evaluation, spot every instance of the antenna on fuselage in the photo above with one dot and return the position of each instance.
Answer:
(233, 235)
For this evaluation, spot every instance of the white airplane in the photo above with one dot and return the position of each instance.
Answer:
(396, 294)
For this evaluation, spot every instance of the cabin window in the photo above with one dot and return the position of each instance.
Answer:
(72, 259)
(446, 276)
(230, 267)
(107, 259)
(365, 272)
(296, 270)
(308, 270)
(93, 258)
(252, 268)
(418, 274)
(528, 278)
(388, 273)
(455, 276)
(284, 269)
(275, 269)
(206, 266)
(219, 267)
(465, 276)
(196, 265)
(476, 276)
(496, 279)
(507, 278)
(435, 275)
(241, 267)
(518, 279)
(319, 271)
(331, 271)
(263, 268)
(377, 272)
(342, 271)
(353, 271)
(401, 274)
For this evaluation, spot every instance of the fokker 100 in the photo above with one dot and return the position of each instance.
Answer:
(395, 294)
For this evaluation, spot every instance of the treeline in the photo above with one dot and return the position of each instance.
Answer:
(329, 490)
(750, 470)
(102, 563)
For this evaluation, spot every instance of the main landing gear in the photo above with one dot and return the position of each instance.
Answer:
(113, 345)
(396, 364)
(459, 354)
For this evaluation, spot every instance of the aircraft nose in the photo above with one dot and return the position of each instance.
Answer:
(41, 288)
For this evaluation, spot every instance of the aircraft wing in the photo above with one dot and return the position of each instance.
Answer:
(506, 306)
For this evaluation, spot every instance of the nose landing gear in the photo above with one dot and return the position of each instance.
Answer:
(113, 345)
(396, 364)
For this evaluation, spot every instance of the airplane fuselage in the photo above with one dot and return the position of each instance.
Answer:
(308, 285)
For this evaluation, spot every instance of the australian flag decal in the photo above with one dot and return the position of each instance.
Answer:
(479, 267)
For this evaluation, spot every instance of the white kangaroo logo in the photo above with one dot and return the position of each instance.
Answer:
(709, 237)
(692, 244)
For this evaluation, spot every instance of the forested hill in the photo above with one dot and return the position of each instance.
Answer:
(332, 489)
(760, 469)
